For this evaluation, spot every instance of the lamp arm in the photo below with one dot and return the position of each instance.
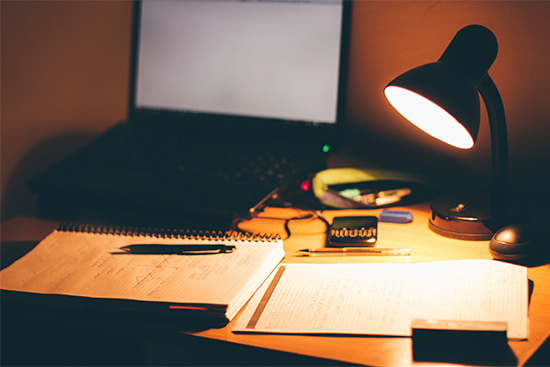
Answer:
(499, 149)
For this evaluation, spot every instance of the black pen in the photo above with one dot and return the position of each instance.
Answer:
(190, 249)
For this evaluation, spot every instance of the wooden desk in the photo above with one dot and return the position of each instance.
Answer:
(376, 351)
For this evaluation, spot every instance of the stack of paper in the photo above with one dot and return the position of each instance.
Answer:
(91, 268)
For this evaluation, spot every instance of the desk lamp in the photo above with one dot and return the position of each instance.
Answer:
(442, 99)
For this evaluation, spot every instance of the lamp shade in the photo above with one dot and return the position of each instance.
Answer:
(438, 100)
(442, 98)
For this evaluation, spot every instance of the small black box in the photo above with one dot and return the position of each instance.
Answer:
(464, 342)
(353, 231)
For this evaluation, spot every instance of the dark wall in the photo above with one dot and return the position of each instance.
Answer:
(65, 71)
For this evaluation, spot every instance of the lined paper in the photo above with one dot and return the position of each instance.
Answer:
(92, 265)
(383, 299)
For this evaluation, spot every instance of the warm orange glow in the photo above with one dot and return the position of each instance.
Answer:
(429, 117)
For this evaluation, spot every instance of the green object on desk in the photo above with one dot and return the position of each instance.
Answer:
(356, 188)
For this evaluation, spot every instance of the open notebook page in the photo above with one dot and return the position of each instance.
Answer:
(383, 299)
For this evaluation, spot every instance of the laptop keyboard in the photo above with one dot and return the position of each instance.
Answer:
(236, 161)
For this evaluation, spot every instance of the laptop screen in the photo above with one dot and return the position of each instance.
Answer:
(263, 61)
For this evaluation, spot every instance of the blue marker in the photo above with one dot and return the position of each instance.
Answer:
(395, 216)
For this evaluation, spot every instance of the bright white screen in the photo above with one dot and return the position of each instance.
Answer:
(275, 59)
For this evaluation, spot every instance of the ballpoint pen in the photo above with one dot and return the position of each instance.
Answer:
(188, 249)
(355, 251)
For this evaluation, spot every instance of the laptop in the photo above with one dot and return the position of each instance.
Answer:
(231, 104)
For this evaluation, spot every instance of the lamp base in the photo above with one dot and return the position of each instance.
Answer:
(464, 216)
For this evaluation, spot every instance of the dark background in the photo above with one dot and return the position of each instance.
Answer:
(64, 79)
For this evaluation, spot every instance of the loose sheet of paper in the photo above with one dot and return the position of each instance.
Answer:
(383, 299)
(92, 265)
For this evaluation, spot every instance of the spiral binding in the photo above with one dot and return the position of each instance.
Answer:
(169, 233)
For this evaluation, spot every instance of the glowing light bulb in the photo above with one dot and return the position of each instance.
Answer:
(429, 117)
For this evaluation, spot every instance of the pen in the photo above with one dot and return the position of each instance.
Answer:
(355, 251)
(190, 249)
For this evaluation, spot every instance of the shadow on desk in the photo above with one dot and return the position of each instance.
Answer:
(45, 344)
(70, 339)
(480, 355)
(470, 353)
(12, 251)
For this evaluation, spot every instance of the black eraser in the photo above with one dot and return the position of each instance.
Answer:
(459, 341)
(486, 330)
(353, 231)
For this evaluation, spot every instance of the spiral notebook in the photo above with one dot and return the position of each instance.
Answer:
(83, 266)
